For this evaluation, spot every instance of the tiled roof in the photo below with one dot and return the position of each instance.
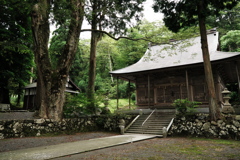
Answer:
(180, 53)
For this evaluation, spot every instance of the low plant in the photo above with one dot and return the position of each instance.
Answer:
(184, 106)
(77, 105)
(235, 98)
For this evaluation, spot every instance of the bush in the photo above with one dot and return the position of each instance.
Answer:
(75, 105)
(184, 106)
(235, 99)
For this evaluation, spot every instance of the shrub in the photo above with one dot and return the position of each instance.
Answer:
(235, 99)
(184, 106)
(75, 105)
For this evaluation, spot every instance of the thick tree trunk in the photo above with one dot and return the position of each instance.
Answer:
(213, 106)
(51, 82)
(95, 38)
(92, 72)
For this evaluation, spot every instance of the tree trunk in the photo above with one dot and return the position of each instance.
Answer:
(95, 38)
(92, 72)
(51, 82)
(213, 106)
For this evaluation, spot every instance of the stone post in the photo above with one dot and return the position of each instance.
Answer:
(122, 125)
(164, 131)
(227, 108)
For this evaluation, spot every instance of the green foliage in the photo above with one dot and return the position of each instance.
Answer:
(15, 104)
(113, 15)
(61, 11)
(123, 104)
(77, 105)
(182, 14)
(235, 98)
(79, 68)
(231, 41)
(228, 19)
(16, 56)
(184, 106)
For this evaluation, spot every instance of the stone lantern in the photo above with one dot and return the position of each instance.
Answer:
(227, 108)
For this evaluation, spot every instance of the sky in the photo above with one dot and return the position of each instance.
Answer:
(149, 14)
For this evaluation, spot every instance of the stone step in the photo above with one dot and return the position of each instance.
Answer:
(153, 125)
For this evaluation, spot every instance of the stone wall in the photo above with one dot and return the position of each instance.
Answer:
(199, 125)
(38, 127)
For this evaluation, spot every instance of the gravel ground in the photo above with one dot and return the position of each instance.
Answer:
(16, 115)
(29, 142)
(171, 148)
(165, 149)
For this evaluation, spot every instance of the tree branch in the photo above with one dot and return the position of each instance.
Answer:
(121, 37)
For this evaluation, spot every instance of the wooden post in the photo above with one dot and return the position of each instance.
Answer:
(148, 91)
(129, 95)
(238, 77)
(180, 87)
(28, 98)
(117, 94)
(187, 85)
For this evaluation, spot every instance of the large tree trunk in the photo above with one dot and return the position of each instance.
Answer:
(95, 38)
(213, 106)
(51, 82)
(92, 73)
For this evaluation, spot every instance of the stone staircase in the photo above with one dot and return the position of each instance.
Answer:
(152, 123)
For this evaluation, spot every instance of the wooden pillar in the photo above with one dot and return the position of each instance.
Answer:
(238, 77)
(148, 91)
(187, 85)
(237, 71)
(129, 95)
(218, 88)
(164, 94)
(117, 93)
(28, 98)
(180, 87)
